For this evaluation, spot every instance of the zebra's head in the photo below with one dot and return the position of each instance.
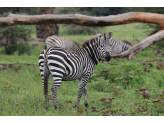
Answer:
(105, 47)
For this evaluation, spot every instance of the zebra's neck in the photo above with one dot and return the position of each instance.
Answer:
(92, 50)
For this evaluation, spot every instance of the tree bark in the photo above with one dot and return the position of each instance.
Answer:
(45, 30)
(83, 20)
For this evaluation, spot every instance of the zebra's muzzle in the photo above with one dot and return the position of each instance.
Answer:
(107, 56)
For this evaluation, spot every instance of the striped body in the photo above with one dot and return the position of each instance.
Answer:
(69, 65)
(119, 46)
(62, 42)
(68, 61)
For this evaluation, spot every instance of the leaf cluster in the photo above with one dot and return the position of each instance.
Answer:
(14, 38)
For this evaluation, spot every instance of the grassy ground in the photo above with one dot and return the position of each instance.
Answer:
(112, 90)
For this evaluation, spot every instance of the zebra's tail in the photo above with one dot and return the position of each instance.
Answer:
(46, 74)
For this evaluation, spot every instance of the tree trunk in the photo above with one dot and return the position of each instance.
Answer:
(45, 30)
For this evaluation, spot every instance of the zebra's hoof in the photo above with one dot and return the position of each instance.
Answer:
(55, 107)
(86, 105)
(75, 106)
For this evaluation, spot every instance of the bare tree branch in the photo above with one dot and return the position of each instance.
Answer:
(141, 45)
(83, 20)
(158, 51)
(134, 38)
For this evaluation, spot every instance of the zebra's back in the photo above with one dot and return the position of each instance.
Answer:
(62, 42)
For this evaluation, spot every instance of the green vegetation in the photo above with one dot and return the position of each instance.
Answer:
(17, 33)
(119, 87)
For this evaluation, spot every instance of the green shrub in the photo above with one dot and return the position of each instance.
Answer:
(100, 85)
(12, 35)
(127, 74)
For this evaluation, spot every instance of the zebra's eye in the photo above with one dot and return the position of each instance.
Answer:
(101, 46)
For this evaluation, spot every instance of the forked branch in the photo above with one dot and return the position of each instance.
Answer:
(141, 45)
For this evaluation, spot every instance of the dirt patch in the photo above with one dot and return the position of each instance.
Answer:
(16, 66)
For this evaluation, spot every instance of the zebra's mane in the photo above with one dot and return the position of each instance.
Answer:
(89, 40)
(128, 43)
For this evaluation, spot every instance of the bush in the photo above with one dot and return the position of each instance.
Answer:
(13, 34)
(100, 85)
(127, 74)
(21, 48)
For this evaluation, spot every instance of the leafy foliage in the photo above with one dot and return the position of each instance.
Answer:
(14, 34)
(15, 10)
(125, 73)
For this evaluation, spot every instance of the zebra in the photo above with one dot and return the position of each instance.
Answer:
(118, 46)
(66, 65)
(62, 42)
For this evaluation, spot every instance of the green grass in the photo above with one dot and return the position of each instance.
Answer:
(22, 91)
(122, 32)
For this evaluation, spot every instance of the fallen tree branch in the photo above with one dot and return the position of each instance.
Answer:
(83, 20)
(134, 38)
(141, 45)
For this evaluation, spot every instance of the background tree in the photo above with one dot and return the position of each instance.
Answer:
(45, 30)
(18, 10)
(14, 38)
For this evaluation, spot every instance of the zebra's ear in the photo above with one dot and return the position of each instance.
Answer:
(98, 34)
(109, 35)
(103, 35)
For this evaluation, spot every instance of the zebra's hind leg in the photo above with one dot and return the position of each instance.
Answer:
(45, 84)
(54, 89)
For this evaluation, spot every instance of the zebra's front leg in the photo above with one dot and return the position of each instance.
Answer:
(85, 97)
(82, 89)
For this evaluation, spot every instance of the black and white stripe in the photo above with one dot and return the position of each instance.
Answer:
(119, 46)
(79, 64)
(56, 41)
(62, 42)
